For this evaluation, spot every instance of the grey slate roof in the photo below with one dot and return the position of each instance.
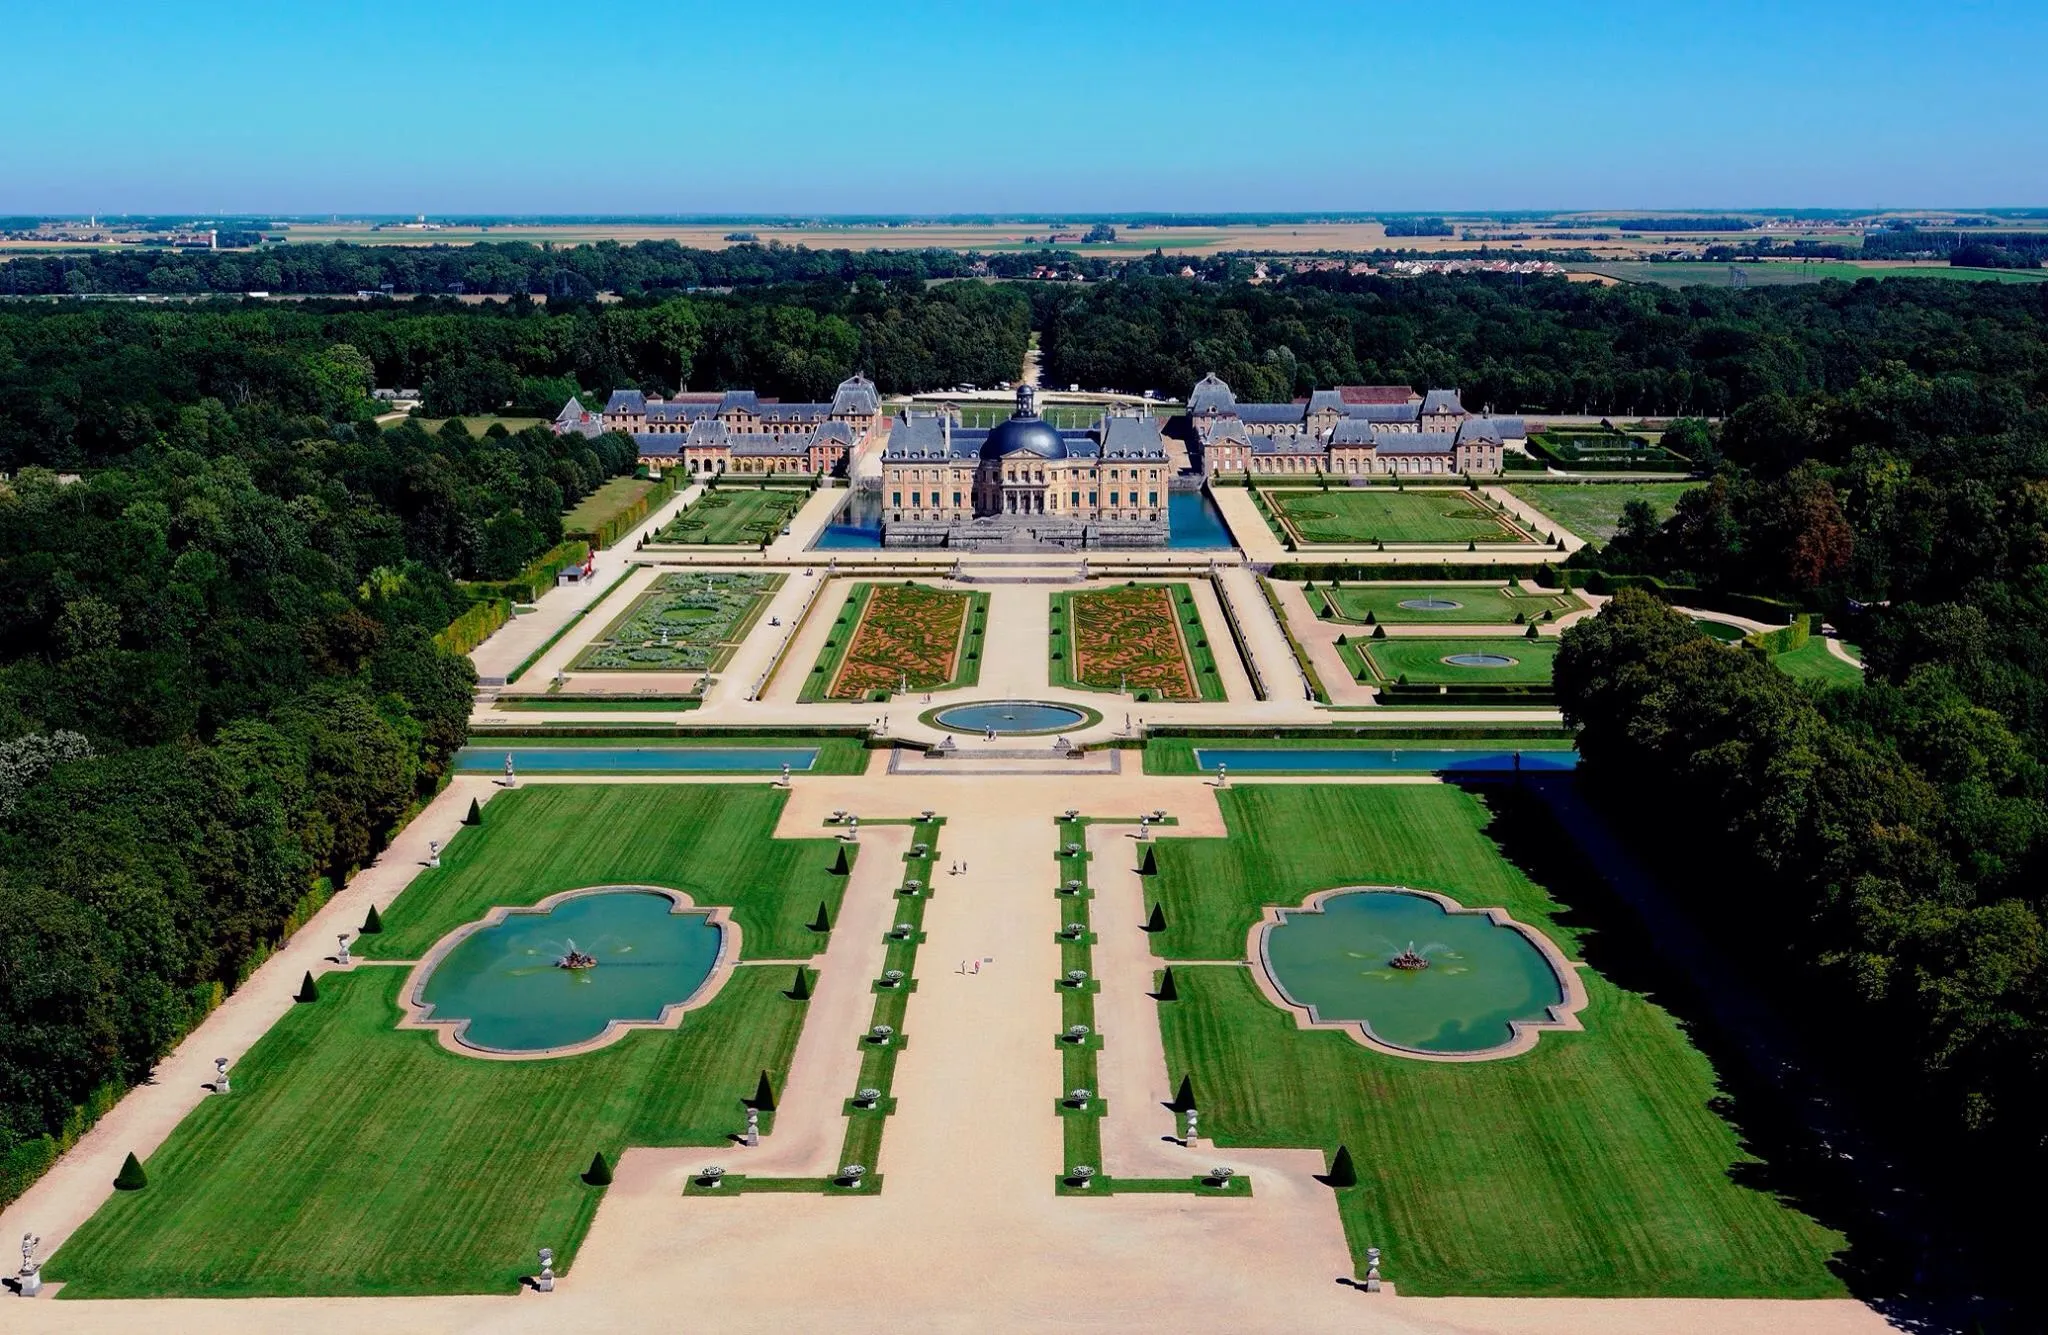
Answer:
(658, 446)
(1416, 442)
(1230, 428)
(1211, 395)
(1384, 412)
(1494, 429)
(1442, 401)
(680, 413)
(740, 398)
(1132, 437)
(856, 396)
(626, 401)
(1326, 400)
(834, 431)
(775, 446)
(1275, 414)
(924, 436)
(1292, 442)
(1352, 431)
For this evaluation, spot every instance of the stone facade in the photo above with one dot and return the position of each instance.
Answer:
(1024, 483)
(738, 431)
(1349, 431)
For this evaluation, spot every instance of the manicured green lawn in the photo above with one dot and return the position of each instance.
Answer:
(1812, 662)
(614, 496)
(1477, 604)
(710, 840)
(1382, 514)
(732, 514)
(1592, 510)
(1592, 1165)
(686, 621)
(356, 1158)
(1420, 659)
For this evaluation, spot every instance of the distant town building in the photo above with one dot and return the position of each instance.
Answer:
(1025, 483)
(1350, 430)
(736, 430)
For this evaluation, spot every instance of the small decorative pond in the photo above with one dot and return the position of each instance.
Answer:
(1413, 975)
(1430, 604)
(529, 981)
(1011, 717)
(1480, 660)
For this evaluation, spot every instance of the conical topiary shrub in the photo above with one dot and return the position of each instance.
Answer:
(764, 1095)
(1531, 633)
(476, 813)
(1184, 1097)
(1167, 990)
(839, 864)
(1157, 921)
(1341, 1173)
(1370, 619)
(823, 922)
(599, 1174)
(373, 923)
(800, 990)
(309, 990)
(131, 1177)
(1379, 632)
(1150, 866)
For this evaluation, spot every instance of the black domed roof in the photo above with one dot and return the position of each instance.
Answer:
(1024, 435)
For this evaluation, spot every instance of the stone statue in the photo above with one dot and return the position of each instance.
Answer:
(511, 779)
(545, 1281)
(1194, 1135)
(1222, 774)
(29, 1278)
(785, 774)
(754, 1128)
(220, 1075)
(341, 954)
(1372, 1270)
(433, 852)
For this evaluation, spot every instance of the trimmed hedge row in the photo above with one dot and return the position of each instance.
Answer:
(537, 578)
(1754, 606)
(625, 521)
(475, 626)
(674, 730)
(1398, 731)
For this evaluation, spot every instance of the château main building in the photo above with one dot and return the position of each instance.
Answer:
(736, 430)
(1024, 482)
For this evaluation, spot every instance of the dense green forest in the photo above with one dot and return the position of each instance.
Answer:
(496, 267)
(219, 684)
(84, 385)
(1541, 345)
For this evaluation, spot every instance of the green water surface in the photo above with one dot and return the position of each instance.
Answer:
(1480, 976)
(502, 979)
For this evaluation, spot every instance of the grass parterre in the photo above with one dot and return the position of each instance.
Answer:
(1424, 604)
(1422, 660)
(1368, 515)
(687, 621)
(1592, 510)
(735, 516)
(358, 1158)
(1147, 639)
(1516, 1176)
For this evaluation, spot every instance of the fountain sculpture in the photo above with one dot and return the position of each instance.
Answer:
(576, 959)
(1409, 959)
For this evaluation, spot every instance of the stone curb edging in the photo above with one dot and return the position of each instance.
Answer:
(1563, 1016)
(419, 1014)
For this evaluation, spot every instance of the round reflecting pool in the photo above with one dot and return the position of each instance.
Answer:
(504, 987)
(1480, 660)
(1410, 972)
(1430, 604)
(1012, 717)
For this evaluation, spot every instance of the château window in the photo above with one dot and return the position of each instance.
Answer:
(895, 498)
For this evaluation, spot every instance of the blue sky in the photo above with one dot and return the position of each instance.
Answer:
(620, 107)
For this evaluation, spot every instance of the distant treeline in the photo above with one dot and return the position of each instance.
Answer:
(84, 386)
(1988, 250)
(1721, 223)
(1523, 345)
(1418, 227)
(500, 268)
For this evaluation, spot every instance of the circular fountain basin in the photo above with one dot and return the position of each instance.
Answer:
(1480, 660)
(1430, 604)
(1483, 977)
(1012, 717)
(500, 984)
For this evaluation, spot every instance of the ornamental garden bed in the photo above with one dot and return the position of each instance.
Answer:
(894, 636)
(1435, 660)
(1147, 639)
(687, 621)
